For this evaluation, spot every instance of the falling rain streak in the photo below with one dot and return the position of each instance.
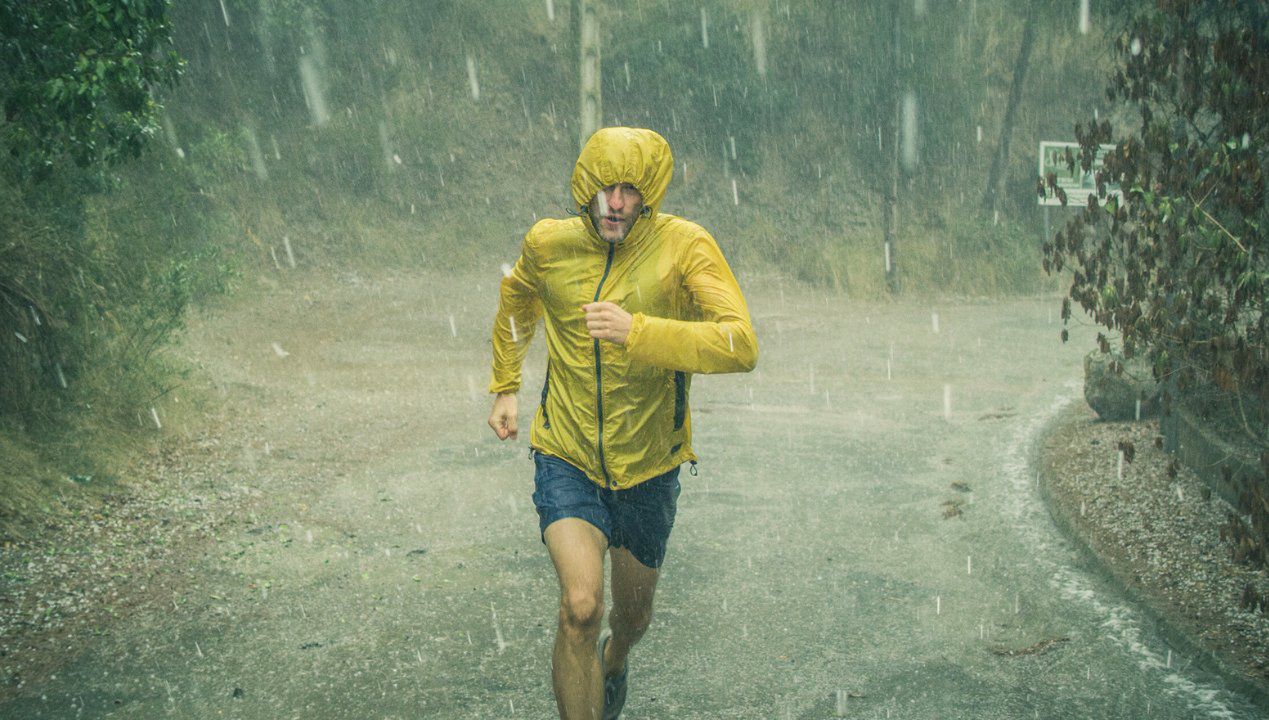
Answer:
(759, 34)
(314, 96)
(909, 140)
(471, 78)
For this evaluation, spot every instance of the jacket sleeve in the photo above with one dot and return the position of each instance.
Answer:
(721, 342)
(519, 308)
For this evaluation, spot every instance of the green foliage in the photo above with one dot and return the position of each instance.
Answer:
(77, 78)
(102, 246)
(1179, 269)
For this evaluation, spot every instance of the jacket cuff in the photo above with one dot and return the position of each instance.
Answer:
(507, 388)
(637, 323)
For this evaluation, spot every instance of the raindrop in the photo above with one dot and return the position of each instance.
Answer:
(887, 246)
(732, 139)
(1120, 470)
(1135, 46)
(386, 144)
(257, 157)
(1085, 24)
(909, 143)
(155, 414)
(980, 133)
(550, 10)
(938, 604)
(704, 29)
(918, 7)
(290, 256)
(969, 564)
(453, 329)
(60, 377)
(934, 320)
(626, 64)
(277, 350)
(471, 78)
(947, 402)
(314, 97)
(759, 33)
(224, 13)
(735, 196)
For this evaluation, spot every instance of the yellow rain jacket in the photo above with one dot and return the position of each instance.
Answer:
(620, 412)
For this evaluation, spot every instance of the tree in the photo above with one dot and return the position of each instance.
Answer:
(995, 178)
(77, 79)
(1179, 268)
(77, 82)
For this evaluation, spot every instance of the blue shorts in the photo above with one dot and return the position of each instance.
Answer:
(638, 518)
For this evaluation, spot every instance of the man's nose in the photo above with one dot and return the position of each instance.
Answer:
(616, 199)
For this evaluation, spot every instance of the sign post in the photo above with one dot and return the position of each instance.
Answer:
(1063, 182)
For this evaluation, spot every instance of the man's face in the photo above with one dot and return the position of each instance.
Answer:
(615, 210)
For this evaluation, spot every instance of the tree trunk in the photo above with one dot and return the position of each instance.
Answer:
(590, 99)
(890, 209)
(995, 178)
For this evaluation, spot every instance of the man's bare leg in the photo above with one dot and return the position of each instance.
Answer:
(577, 549)
(633, 585)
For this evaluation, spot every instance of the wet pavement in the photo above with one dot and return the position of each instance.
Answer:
(864, 538)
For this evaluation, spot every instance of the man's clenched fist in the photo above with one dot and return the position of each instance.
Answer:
(607, 321)
(503, 417)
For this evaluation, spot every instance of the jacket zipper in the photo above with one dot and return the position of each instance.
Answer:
(546, 385)
(599, 383)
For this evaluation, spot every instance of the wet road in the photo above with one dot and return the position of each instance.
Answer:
(813, 571)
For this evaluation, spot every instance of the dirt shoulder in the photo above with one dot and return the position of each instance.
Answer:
(1159, 538)
(132, 546)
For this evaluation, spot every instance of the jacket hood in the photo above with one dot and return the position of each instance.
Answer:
(623, 155)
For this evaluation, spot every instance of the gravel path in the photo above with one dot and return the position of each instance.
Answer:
(1159, 537)
(344, 538)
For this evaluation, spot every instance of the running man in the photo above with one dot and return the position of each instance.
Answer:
(635, 301)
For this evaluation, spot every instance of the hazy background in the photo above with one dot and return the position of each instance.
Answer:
(430, 135)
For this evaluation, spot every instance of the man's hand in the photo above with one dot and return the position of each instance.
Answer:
(607, 321)
(503, 417)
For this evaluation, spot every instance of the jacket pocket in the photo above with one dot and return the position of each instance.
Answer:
(546, 387)
(680, 399)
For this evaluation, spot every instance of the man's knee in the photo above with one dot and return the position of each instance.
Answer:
(582, 611)
(635, 620)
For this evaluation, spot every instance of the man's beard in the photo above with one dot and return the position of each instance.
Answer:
(597, 220)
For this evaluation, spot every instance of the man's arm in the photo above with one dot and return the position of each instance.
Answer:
(519, 308)
(723, 342)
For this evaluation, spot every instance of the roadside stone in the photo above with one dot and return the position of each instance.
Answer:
(1114, 395)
